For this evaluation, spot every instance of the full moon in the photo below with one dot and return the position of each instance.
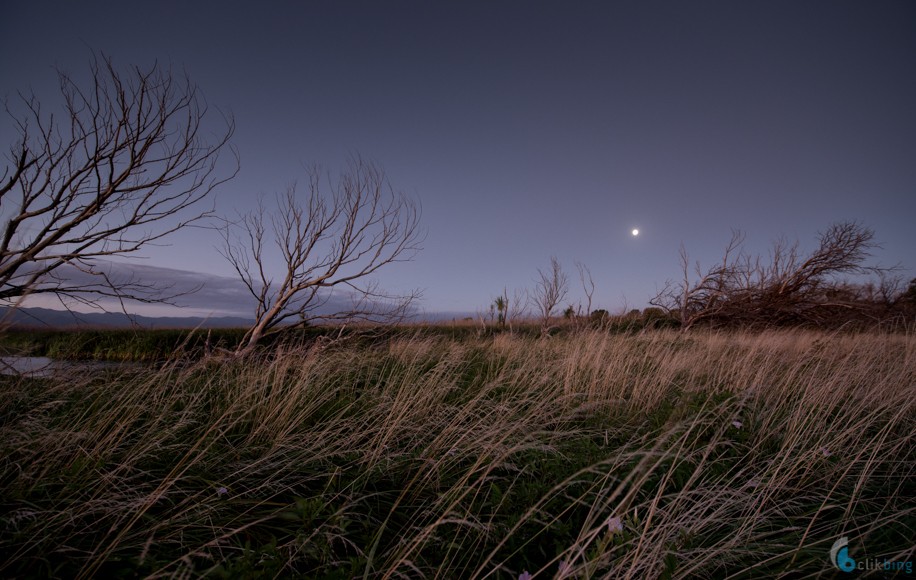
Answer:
(635, 232)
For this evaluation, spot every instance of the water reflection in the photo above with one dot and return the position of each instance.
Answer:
(29, 366)
(42, 366)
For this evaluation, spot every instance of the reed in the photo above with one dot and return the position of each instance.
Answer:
(656, 454)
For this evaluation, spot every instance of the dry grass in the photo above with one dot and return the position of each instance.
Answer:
(732, 454)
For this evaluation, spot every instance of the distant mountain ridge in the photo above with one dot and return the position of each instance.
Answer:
(48, 318)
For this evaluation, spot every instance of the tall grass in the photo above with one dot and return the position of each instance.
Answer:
(649, 455)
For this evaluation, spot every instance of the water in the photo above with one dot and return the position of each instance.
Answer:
(42, 366)
(29, 366)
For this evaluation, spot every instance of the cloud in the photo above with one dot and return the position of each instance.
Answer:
(197, 294)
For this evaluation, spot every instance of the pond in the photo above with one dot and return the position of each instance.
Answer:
(29, 366)
(42, 366)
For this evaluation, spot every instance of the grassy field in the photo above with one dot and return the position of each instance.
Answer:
(648, 455)
(115, 345)
(158, 345)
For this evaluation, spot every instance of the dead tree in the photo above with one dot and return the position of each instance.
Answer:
(786, 289)
(811, 290)
(549, 290)
(516, 307)
(583, 317)
(339, 235)
(127, 161)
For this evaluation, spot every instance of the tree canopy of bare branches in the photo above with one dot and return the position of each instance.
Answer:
(786, 289)
(339, 235)
(127, 161)
(549, 291)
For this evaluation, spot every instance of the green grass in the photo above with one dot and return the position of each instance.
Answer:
(157, 345)
(742, 454)
(125, 345)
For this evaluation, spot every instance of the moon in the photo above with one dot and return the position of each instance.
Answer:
(635, 232)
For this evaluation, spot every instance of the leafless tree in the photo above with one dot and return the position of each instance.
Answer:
(788, 288)
(127, 161)
(340, 234)
(583, 311)
(588, 287)
(516, 308)
(549, 291)
(694, 300)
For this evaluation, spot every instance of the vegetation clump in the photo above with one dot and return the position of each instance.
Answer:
(588, 454)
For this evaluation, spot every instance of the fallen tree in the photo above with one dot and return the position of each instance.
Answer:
(786, 289)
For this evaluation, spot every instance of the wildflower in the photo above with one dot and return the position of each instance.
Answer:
(825, 452)
(614, 525)
(563, 569)
(753, 483)
(524, 575)
(222, 491)
(737, 424)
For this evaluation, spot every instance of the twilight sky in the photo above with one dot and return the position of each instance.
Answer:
(531, 129)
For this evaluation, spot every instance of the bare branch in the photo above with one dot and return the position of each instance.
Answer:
(336, 237)
(549, 291)
(788, 289)
(124, 166)
(588, 288)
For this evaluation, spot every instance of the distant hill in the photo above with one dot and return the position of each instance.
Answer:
(48, 318)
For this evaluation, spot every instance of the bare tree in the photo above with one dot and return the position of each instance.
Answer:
(788, 288)
(338, 236)
(549, 291)
(129, 161)
(583, 315)
(693, 301)
(516, 307)
(588, 286)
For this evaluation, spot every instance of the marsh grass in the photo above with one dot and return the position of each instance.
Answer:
(646, 455)
(121, 345)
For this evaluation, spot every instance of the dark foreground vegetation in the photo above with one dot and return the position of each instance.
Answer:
(135, 345)
(587, 454)
(160, 345)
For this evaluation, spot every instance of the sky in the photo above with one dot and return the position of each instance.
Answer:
(534, 129)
